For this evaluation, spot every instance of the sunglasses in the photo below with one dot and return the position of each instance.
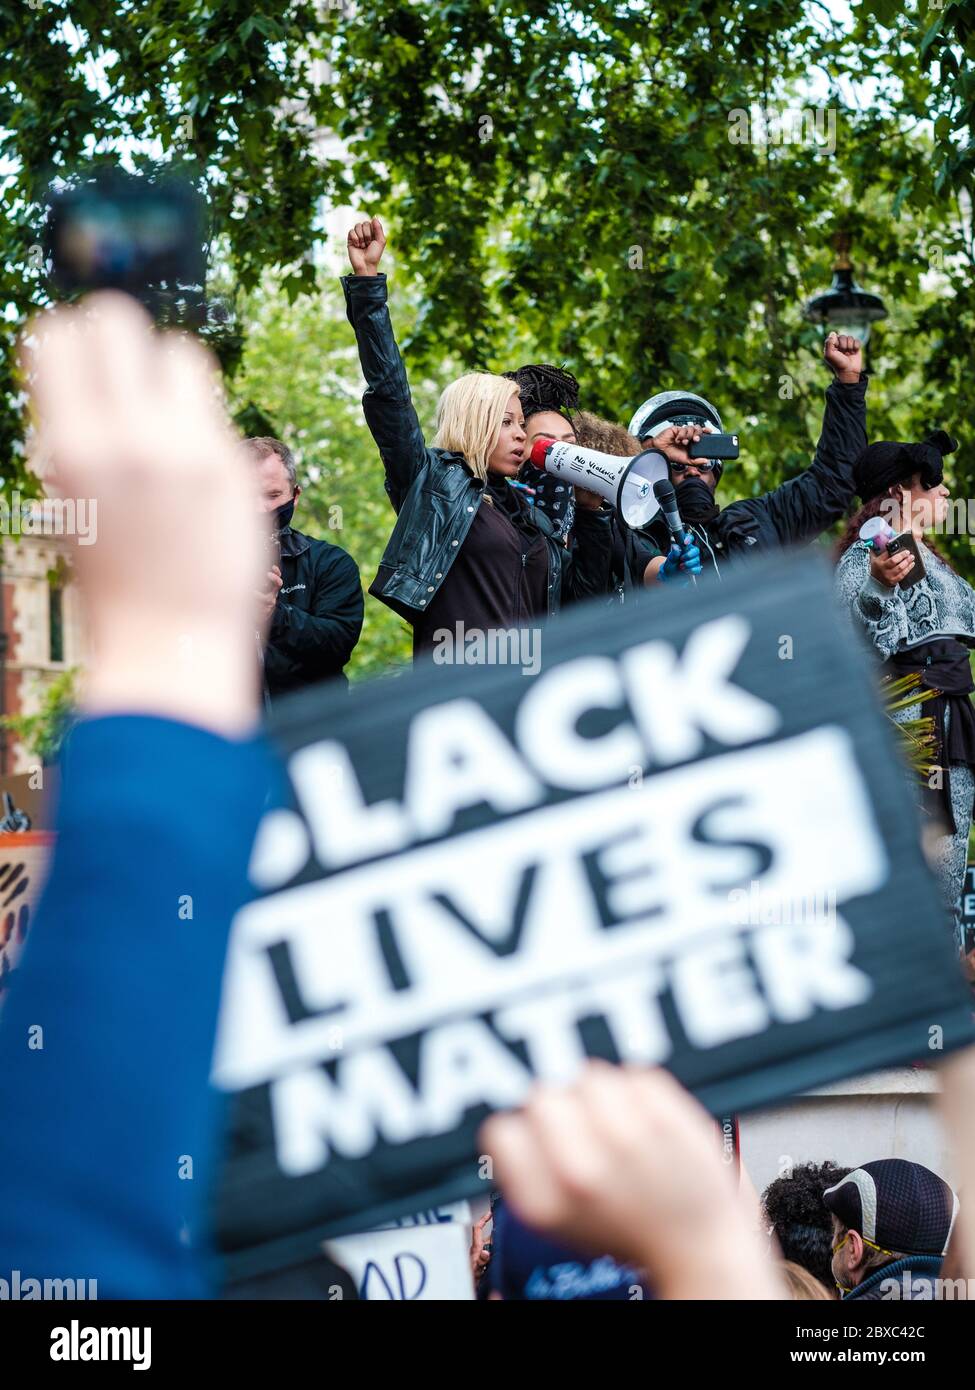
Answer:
(702, 465)
(871, 1243)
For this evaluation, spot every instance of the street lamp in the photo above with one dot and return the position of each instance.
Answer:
(845, 307)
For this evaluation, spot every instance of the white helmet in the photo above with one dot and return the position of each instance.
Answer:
(673, 408)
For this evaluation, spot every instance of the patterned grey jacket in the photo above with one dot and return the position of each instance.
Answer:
(941, 605)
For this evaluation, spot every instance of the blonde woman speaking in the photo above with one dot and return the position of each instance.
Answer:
(468, 548)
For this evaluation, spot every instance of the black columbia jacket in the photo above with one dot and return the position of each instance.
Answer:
(318, 615)
(435, 492)
(802, 508)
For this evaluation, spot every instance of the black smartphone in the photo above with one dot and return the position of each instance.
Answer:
(714, 446)
(145, 235)
(906, 541)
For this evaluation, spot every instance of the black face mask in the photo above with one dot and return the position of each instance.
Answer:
(283, 514)
(695, 500)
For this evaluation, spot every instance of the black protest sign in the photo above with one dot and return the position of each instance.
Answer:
(687, 841)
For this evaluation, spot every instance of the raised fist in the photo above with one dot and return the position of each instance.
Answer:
(366, 244)
(845, 355)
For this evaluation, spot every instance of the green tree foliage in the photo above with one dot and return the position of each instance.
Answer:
(645, 192)
(217, 91)
(649, 194)
(944, 36)
(43, 732)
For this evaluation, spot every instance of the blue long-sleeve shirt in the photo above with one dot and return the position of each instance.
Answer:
(102, 1125)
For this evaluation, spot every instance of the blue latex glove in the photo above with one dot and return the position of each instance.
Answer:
(680, 564)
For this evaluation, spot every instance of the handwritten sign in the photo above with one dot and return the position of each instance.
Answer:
(426, 1263)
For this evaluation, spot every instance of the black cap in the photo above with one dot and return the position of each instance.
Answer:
(898, 1205)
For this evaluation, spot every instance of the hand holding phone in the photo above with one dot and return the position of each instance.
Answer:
(714, 446)
(899, 564)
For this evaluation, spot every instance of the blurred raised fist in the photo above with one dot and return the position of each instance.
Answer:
(624, 1161)
(133, 421)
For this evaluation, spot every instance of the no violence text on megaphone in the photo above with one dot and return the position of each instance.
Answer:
(625, 483)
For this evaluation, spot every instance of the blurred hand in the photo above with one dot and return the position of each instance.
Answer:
(267, 598)
(590, 501)
(891, 569)
(957, 1106)
(366, 244)
(480, 1256)
(133, 420)
(845, 355)
(626, 1162)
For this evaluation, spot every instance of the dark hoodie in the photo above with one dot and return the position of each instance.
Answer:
(889, 1282)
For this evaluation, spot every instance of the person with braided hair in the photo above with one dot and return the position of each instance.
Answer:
(469, 554)
(927, 628)
(550, 398)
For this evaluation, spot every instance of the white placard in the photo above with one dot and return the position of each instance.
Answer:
(427, 1264)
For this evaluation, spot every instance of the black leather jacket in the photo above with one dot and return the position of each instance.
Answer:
(435, 492)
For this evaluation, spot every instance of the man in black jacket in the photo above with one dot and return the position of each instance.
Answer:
(314, 597)
(792, 514)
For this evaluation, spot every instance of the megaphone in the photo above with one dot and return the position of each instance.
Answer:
(625, 483)
(876, 530)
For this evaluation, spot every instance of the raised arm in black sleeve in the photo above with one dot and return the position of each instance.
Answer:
(387, 403)
(805, 506)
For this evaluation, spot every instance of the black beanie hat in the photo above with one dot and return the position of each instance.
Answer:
(882, 465)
